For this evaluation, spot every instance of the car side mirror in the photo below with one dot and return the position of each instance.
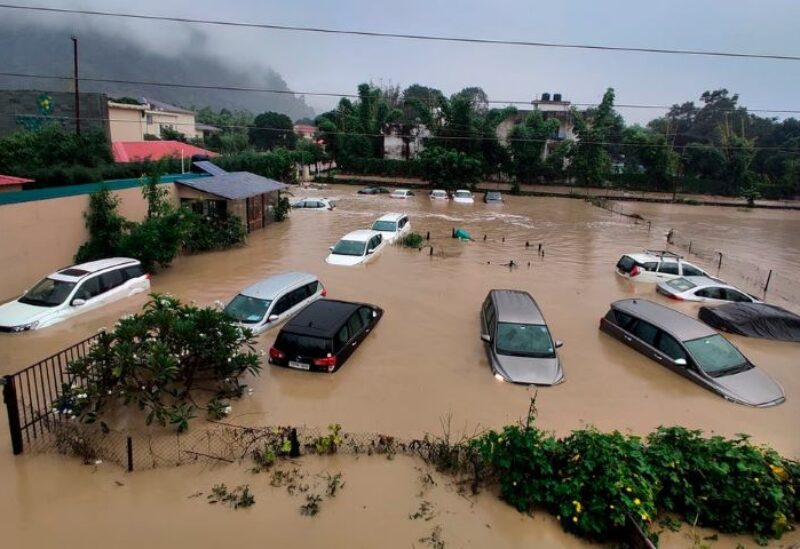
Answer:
(77, 302)
(559, 344)
(680, 362)
(330, 248)
(272, 318)
(486, 337)
(370, 251)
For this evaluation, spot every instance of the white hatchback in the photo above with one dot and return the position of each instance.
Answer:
(356, 247)
(392, 226)
(274, 299)
(72, 291)
(439, 194)
(655, 266)
(463, 196)
(401, 193)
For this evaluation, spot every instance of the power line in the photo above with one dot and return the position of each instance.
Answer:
(223, 87)
(426, 37)
(429, 138)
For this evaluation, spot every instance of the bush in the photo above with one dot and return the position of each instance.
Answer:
(105, 227)
(158, 360)
(412, 240)
(204, 233)
(281, 210)
(155, 241)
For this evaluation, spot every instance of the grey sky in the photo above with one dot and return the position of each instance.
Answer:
(317, 62)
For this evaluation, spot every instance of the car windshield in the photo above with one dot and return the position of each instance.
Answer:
(531, 340)
(716, 356)
(48, 293)
(680, 284)
(385, 226)
(493, 196)
(247, 309)
(294, 344)
(349, 247)
(463, 194)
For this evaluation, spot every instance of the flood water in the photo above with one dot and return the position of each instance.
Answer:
(425, 361)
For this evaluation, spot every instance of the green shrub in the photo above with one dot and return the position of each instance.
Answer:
(281, 210)
(105, 227)
(155, 241)
(412, 240)
(204, 233)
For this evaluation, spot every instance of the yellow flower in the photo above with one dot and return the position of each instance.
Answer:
(637, 501)
(577, 505)
(610, 506)
(645, 517)
(575, 519)
(779, 472)
(628, 489)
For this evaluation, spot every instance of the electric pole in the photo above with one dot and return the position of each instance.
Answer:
(75, 81)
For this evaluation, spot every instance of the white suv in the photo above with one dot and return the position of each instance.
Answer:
(392, 226)
(655, 266)
(72, 291)
(356, 247)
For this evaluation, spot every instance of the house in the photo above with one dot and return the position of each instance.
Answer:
(244, 194)
(305, 131)
(135, 151)
(9, 183)
(555, 108)
(133, 119)
(404, 141)
(207, 130)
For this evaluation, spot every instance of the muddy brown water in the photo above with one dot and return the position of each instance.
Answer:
(425, 361)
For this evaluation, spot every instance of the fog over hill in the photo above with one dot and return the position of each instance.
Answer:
(122, 52)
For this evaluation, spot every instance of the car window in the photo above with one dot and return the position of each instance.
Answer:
(342, 337)
(712, 292)
(490, 315)
(625, 264)
(690, 270)
(132, 272)
(281, 306)
(645, 331)
(670, 347)
(366, 315)
(668, 267)
(298, 295)
(624, 321)
(110, 280)
(89, 289)
(294, 344)
(649, 265)
(354, 324)
(312, 288)
(737, 296)
(349, 247)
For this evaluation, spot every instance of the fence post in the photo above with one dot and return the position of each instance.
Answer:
(719, 265)
(769, 276)
(130, 454)
(12, 410)
(690, 247)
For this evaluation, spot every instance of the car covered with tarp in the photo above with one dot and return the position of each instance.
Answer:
(754, 320)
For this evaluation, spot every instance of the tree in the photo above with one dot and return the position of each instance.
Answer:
(272, 129)
(450, 169)
(105, 227)
(590, 160)
(527, 142)
(654, 154)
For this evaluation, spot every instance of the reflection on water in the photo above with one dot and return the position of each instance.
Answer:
(425, 360)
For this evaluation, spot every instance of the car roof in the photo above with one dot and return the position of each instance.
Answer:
(360, 235)
(494, 193)
(462, 190)
(272, 287)
(322, 318)
(642, 257)
(516, 306)
(391, 217)
(77, 272)
(683, 327)
(439, 191)
(400, 190)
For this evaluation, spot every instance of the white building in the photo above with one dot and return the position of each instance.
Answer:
(404, 143)
(129, 122)
(551, 108)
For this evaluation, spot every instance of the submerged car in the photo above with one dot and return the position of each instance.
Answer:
(702, 288)
(274, 299)
(655, 266)
(392, 226)
(324, 335)
(493, 197)
(753, 320)
(518, 342)
(373, 190)
(356, 247)
(462, 196)
(72, 291)
(320, 204)
(439, 194)
(691, 349)
(401, 193)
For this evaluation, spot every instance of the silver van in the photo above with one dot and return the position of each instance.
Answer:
(692, 349)
(274, 299)
(517, 340)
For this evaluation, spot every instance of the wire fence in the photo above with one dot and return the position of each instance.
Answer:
(753, 277)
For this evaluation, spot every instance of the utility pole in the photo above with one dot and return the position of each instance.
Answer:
(75, 81)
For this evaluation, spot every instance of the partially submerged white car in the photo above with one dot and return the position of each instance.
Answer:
(439, 194)
(74, 290)
(356, 247)
(392, 226)
(703, 288)
(273, 300)
(318, 204)
(655, 266)
(401, 193)
(463, 196)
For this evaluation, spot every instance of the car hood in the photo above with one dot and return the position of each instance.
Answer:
(538, 371)
(753, 387)
(15, 313)
(336, 259)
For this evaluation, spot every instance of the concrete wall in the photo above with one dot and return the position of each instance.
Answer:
(126, 123)
(43, 236)
(20, 109)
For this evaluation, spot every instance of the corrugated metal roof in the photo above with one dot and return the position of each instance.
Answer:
(234, 186)
(209, 167)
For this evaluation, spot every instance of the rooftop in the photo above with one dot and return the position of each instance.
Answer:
(517, 306)
(321, 318)
(12, 180)
(681, 326)
(132, 151)
(233, 185)
(270, 287)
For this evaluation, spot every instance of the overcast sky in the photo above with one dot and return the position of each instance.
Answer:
(319, 62)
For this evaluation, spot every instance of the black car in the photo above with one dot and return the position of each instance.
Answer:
(374, 190)
(324, 335)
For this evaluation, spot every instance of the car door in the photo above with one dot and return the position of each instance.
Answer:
(690, 270)
(736, 296)
(112, 286)
(711, 293)
(368, 318)
(90, 292)
(279, 308)
(355, 329)
(644, 337)
(668, 270)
